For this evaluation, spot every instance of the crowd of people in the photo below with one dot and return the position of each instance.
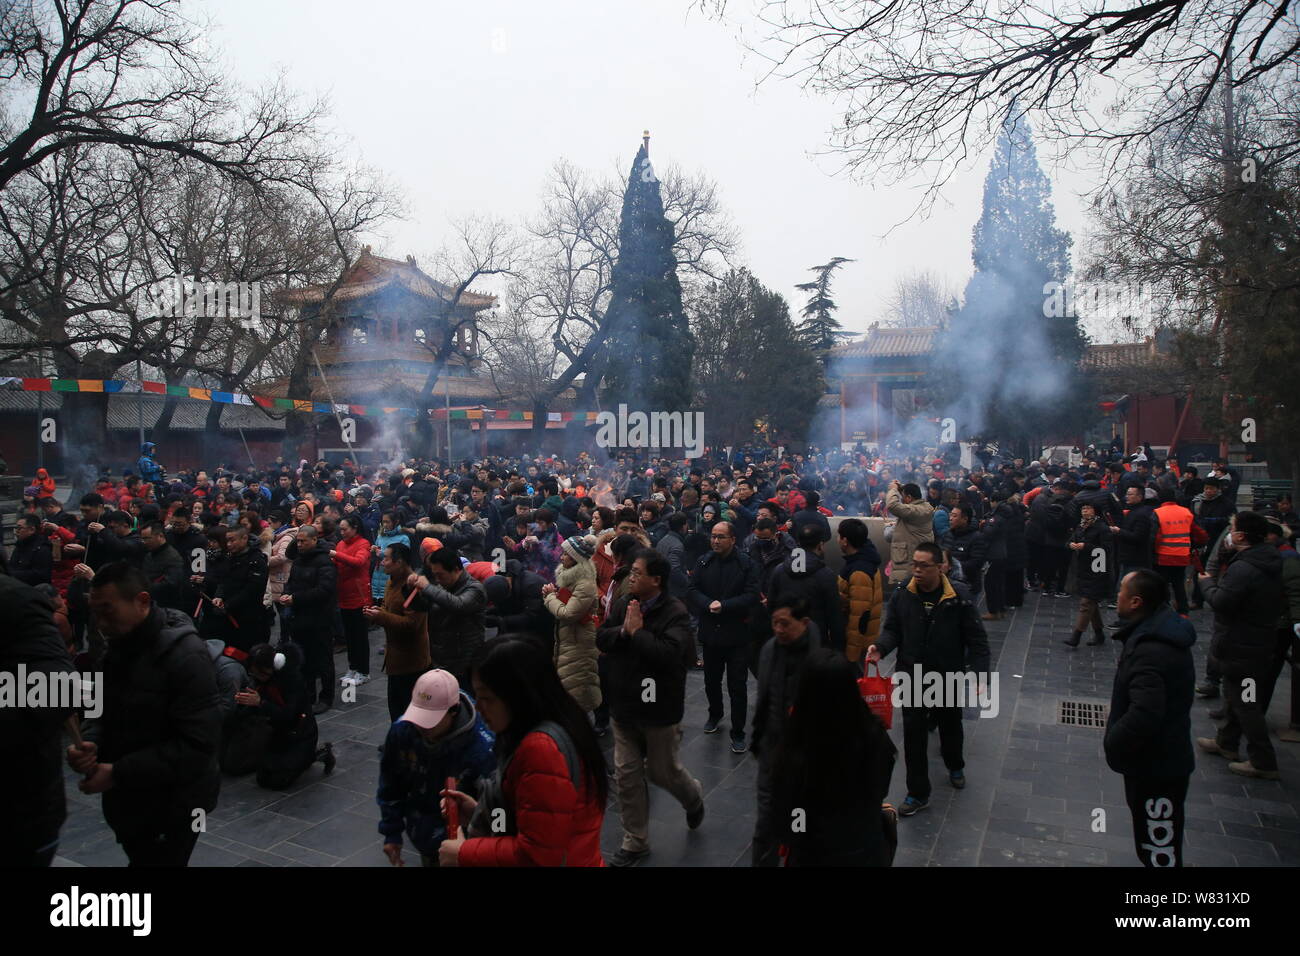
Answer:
(531, 606)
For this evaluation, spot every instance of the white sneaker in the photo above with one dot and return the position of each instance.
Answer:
(359, 679)
(349, 678)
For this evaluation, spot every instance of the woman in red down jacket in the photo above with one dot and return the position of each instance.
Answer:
(545, 804)
(352, 561)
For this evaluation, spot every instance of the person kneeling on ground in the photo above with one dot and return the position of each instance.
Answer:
(546, 800)
(440, 735)
(275, 733)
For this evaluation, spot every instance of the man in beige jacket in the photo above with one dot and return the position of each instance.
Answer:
(915, 524)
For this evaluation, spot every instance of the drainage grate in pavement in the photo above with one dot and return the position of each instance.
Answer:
(1082, 713)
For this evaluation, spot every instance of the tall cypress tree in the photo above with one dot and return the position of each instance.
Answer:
(650, 341)
(1007, 366)
(820, 330)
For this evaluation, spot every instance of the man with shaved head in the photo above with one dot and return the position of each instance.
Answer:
(723, 595)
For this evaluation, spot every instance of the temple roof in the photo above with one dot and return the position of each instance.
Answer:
(371, 274)
(888, 343)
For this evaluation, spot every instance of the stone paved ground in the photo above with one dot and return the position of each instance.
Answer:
(1033, 785)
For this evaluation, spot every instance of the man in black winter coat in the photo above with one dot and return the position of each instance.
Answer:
(32, 804)
(1148, 730)
(31, 559)
(966, 545)
(780, 662)
(724, 596)
(192, 545)
(239, 595)
(311, 593)
(1248, 599)
(1052, 515)
(932, 623)
(121, 543)
(153, 751)
(1135, 533)
(162, 568)
(805, 575)
(516, 606)
(809, 515)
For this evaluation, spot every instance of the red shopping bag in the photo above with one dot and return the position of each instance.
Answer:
(878, 692)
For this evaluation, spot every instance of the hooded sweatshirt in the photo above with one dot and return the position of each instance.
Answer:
(413, 772)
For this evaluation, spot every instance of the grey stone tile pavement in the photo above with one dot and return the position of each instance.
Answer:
(1034, 786)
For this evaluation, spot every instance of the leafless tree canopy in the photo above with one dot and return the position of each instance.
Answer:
(132, 74)
(918, 299)
(926, 83)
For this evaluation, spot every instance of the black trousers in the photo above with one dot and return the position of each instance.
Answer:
(1269, 683)
(1175, 576)
(356, 630)
(317, 661)
(916, 745)
(1245, 717)
(1034, 562)
(734, 659)
(600, 715)
(1157, 808)
(995, 586)
(400, 689)
(1055, 567)
(766, 839)
(1014, 589)
(170, 847)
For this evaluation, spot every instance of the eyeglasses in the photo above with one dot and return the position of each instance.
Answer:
(923, 565)
(719, 537)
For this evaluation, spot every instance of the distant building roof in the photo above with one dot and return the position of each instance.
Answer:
(190, 415)
(371, 274)
(889, 343)
(12, 400)
(1120, 355)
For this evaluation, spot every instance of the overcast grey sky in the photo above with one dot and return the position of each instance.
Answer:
(466, 106)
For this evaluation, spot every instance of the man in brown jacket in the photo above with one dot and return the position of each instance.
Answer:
(406, 644)
(915, 525)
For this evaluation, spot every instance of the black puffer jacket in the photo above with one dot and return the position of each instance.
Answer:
(779, 666)
(313, 583)
(1247, 599)
(1107, 505)
(517, 605)
(166, 575)
(32, 807)
(456, 622)
(660, 651)
(160, 727)
(817, 584)
(1149, 729)
(242, 591)
(953, 641)
(1051, 519)
(995, 531)
(733, 581)
(968, 546)
(1015, 519)
(1089, 583)
(32, 560)
(1136, 537)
